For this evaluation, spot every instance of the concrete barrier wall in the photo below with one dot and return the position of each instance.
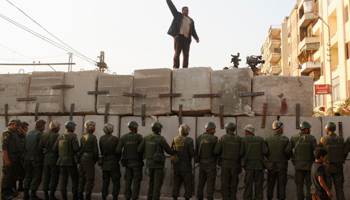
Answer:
(13, 86)
(197, 124)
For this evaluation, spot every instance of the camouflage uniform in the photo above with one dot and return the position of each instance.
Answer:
(51, 170)
(110, 165)
(133, 163)
(88, 158)
(184, 148)
(149, 146)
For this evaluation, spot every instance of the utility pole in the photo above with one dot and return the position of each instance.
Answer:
(102, 65)
(70, 60)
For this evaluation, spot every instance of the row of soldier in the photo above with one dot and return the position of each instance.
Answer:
(58, 155)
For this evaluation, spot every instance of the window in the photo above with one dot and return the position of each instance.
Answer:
(335, 89)
(318, 100)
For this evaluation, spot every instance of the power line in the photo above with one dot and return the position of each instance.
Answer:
(75, 51)
(44, 38)
(14, 51)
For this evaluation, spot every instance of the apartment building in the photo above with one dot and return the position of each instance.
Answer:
(318, 40)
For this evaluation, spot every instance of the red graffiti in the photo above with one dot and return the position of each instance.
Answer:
(284, 106)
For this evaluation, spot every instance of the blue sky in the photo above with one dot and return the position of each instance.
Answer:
(133, 33)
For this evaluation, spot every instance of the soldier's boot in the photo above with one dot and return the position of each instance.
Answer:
(14, 186)
(88, 197)
(64, 197)
(200, 198)
(52, 196)
(5, 194)
(20, 185)
(33, 196)
(26, 195)
(174, 198)
(46, 194)
(76, 196)
(81, 196)
(12, 192)
(103, 197)
(115, 197)
(127, 199)
(187, 198)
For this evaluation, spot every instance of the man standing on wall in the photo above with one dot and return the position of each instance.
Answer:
(182, 28)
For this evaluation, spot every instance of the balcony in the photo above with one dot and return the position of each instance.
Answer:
(307, 19)
(274, 31)
(275, 56)
(317, 55)
(275, 70)
(309, 66)
(334, 38)
(316, 28)
(309, 43)
(274, 43)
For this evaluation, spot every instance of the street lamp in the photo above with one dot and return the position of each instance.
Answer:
(330, 66)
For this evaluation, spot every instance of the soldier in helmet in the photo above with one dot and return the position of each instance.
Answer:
(304, 145)
(88, 159)
(228, 149)
(184, 149)
(132, 160)
(67, 146)
(11, 149)
(153, 147)
(277, 144)
(335, 146)
(207, 161)
(110, 162)
(34, 158)
(51, 170)
(252, 150)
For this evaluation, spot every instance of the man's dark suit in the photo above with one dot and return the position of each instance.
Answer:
(181, 43)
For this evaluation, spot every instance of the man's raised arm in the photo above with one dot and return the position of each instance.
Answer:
(172, 7)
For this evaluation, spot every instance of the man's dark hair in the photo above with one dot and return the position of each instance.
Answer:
(320, 152)
(183, 8)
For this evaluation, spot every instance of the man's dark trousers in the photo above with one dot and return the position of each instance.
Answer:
(181, 43)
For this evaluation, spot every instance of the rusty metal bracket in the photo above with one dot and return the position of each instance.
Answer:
(6, 115)
(297, 115)
(27, 99)
(143, 115)
(62, 86)
(253, 94)
(2, 89)
(106, 111)
(98, 92)
(71, 112)
(170, 95)
(222, 116)
(180, 115)
(125, 94)
(206, 95)
(340, 129)
(263, 122)
(36, 111)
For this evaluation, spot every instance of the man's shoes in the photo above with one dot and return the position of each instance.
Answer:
(26, 195)
(33, 196)
(13, 192)
(5, 194)
(20, 186)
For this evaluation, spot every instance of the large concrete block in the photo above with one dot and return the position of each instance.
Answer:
(83, 82)
(229, 84)
(256, 121)
(13, 86)
(171, 127)
(188, 82)
(282, 93)
(50, 100)
(78, 120)
(143, 130)
(116, 85)
(202, 121)
(290, 129)
(152, 82)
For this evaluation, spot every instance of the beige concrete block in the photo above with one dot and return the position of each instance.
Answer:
(116, 85)
(282, 93)
(188, 82)
(50, 100)
(152, 82)
(143, 130)
(83, 82)
(229, 84)
(78, 120)
(14, 86)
